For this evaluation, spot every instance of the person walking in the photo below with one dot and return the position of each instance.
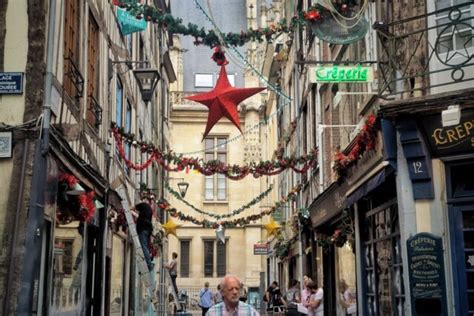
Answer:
(218, 296)
(274, 299)
(172, 267)
(231, 305)
(316, 304)
(205, 298)
(144, 230)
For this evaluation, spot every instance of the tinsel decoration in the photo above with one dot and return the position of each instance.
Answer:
(365, 141)
(256, 200)
(174, 163)
(73, 207)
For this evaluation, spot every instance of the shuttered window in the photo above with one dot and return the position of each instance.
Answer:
(184, 259)
(92, 72)
(221, 259)
(208, 258)
(71, 42)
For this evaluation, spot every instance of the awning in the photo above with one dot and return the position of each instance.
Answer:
(369, 185)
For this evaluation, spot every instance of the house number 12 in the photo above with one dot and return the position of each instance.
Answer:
(417, 165)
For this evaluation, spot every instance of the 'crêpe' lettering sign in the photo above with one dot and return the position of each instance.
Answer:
(427, 277)
(355, 74)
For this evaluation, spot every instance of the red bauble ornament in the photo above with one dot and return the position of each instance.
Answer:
(312, 15)
(344, 7)
(222, 101)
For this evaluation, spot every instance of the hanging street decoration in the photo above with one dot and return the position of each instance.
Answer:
(165, 206)
(282, 247)
(316, 15)
(170, 227)
(220, 234)
(219, 56)
(272, 227)
(233, 172)
(364, 141)
(222, 101)
(129, 23)
(219, 216)
(339, 22)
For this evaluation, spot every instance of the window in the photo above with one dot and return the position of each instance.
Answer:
(203, 80)
(215, 185)
(93, 108)
(460, 37)
(208, 258)
(184, 259)
(231, 79)
(382, 260)
(71, 44)
(128, 128)
(215, 257)
(119, 104)
(67, 257)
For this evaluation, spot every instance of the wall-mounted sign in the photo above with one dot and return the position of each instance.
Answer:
(6, 140)
(11, 82)
(128, 23)
(354, 74)
(450, 140)
(427, 276)
(260, 249)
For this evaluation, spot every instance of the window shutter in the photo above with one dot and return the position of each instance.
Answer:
(221, 259)
(184, 259)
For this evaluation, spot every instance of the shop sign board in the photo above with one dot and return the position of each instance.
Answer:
(260, 249)
(427, 275)
(11, 82)
(450, 140)
(354, 74)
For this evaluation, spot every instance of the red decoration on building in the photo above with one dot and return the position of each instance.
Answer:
(222, 101)
(312, 16)
(219, 56)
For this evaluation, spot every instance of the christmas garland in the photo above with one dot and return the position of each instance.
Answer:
(210, 38)
(165, 206)
(364, 141)
(233, 172)
(344, 233)
(256, 200)
(282, 247)
(73, 207)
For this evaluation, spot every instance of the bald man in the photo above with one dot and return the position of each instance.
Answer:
(231, 306)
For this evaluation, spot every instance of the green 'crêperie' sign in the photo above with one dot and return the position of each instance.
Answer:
(356, 74)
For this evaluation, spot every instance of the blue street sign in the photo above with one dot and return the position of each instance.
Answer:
(11, 82)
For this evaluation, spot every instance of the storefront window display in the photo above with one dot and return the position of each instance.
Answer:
(68, 267)
(346, 280)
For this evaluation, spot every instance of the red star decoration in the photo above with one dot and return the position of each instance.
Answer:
(223, 100)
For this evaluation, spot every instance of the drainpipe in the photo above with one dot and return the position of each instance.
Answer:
(19, 206)
(30, 275)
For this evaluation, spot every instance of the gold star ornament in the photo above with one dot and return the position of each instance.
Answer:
(170, 227)
(272, 227)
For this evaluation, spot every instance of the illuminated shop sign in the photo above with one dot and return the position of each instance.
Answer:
(356, 74)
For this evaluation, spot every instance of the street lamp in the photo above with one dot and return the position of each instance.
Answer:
(182, 186)
(147, 79)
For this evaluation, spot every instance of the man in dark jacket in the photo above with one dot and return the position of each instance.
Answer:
(144, 230)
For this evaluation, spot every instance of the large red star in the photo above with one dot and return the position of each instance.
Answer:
(223, 100)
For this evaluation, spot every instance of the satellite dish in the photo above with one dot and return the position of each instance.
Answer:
(340, 28)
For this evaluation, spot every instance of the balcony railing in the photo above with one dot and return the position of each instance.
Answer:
(427, 54)
(94, 110)
(178, 98)
(75, 78)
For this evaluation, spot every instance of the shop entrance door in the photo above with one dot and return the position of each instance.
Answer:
(460, 189)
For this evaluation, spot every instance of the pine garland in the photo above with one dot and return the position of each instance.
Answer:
(316, 13)
(233, 172)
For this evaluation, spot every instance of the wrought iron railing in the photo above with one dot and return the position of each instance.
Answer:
(95, 110)
(427, 54)
(75, 77)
